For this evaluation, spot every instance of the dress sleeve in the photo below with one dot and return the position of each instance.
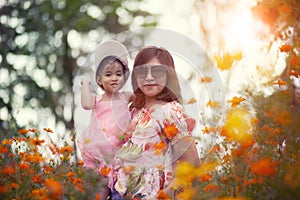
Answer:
(97, 98)
(173, 122)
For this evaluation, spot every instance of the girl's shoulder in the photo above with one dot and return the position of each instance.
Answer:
(98, 97)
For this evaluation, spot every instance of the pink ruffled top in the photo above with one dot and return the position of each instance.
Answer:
(104, 135)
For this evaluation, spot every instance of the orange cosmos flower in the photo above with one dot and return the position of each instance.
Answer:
(53, 148)
(5, 142)
(78, 182)
(48, 169)
(54, 187)
(41, 193)
(71, 176)
(263, 167)
(4, 149)
(211, 187)
(276, 131)
(98, 196)
(236, 101)
(80, 163)
(286, 48)
(162, 195)
(36, 141)
(159, 147)
(14, 186)
(213, 104)
(191, 101)
(205, 177)
(171, 130)
(216, 148)
(66, 149)
(37, 179)
(279, 83)
(104, 171)
(266, 128)
(3, 189)
(268, 113)
(206, 130)
(8, 170)
(23, 131)
(225, 62)
(33, 130)
(35, 158)
(210, 129)
(205, 79)
(48, 130)
(294, 61)
(23, 166)
(294, 73)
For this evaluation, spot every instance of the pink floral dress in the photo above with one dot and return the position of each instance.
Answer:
(144, 164)
(105, 134)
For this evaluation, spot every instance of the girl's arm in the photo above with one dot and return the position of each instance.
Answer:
(87, 100)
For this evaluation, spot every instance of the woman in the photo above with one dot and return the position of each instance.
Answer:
(158, 135)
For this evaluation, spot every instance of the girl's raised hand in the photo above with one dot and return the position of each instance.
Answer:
(84, 81)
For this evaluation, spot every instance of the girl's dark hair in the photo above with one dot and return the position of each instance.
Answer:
(110, 60)
(171, 92)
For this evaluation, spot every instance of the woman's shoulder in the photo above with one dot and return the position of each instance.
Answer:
(172, 105)
(169, 108)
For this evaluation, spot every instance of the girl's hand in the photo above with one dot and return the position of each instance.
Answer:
(85, 82)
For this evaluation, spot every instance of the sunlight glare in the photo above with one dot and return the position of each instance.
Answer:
(240, 30)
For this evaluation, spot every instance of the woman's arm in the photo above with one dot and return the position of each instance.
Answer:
(87, 100)
(186, 149)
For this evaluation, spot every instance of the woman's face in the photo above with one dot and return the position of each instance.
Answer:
(151, 77)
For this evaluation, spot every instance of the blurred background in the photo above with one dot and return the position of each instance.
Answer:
(46, 44)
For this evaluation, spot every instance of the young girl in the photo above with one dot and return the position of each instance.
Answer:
(159, 134)
(110, 115)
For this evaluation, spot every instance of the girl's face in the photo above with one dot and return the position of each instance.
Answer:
(151, 77)
(112, 79)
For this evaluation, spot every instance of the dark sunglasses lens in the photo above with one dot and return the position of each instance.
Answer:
(158, 71)
(140, 72)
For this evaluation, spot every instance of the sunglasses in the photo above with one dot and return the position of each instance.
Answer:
(157, 71)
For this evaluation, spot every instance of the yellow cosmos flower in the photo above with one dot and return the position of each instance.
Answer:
(238, 125)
